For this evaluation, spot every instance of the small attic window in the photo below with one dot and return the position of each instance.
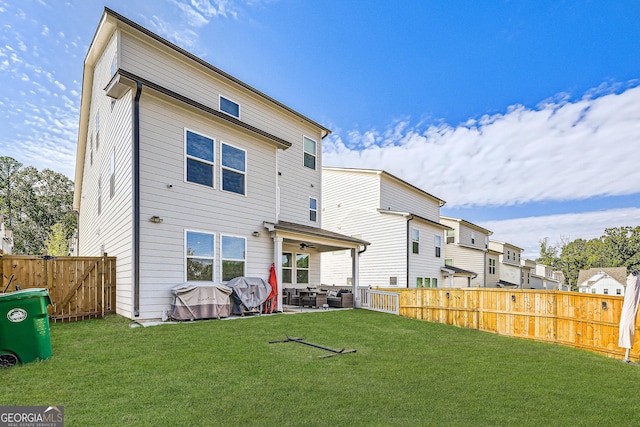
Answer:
(229, 107)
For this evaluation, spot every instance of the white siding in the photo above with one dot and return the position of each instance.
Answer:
(468, 259)
(110, 231)
(396, 196)
(194, 207)
(351, 202)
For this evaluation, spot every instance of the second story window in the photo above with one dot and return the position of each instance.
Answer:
(473, 237)
(199, 159)
(309, 153)
(234, 169)
(451, 236)
(112, 174)
(492, 266)
(415, 241)
(438, 242)
(313, 209)
(229, 107)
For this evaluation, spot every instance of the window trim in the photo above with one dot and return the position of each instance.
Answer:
(222, 258)
(228, 168)
(199, 159)
(97, 129)
(112, 174)
(186, 257)
(437, 240)
(492, 265)
(308, 269)
(220, 97)
(290, 268)
(315, 154)
(313, 211)
(415, 242)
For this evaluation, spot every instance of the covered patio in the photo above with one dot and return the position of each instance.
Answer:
(290, 238)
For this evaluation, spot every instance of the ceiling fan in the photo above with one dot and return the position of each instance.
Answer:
(304, 245)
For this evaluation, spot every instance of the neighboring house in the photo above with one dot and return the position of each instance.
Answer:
(549, 278)
(560, 277)
(185, 173)
(400, 220)
(466, 247)
(509, 259)
(603, 281)
(528, 274)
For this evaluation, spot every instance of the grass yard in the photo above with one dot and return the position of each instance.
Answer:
(405, 372)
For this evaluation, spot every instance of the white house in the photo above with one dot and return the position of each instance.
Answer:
(467, 248)
(602, 281)
(401, 221)
(548, 277)
(510, 269)
(184, 172)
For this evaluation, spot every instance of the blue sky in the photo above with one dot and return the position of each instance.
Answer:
(523, 115)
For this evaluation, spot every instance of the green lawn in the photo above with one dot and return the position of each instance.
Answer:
(405, 372)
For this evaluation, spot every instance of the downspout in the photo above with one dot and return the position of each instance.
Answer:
(136, 200)
(408, 246)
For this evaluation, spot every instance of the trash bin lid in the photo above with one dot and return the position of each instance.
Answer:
(26, 294)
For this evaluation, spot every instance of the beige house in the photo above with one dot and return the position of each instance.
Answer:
(185, 173)
(467, 248)
(509, 257)
(400, 220)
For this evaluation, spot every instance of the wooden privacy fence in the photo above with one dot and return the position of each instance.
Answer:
(586, 321)
(79, 287)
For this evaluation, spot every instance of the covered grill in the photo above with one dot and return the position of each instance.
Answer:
(200, 300)
(249, 293)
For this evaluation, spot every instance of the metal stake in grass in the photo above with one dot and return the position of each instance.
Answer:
(300, 340)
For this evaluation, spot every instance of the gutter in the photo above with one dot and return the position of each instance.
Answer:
(136, 200)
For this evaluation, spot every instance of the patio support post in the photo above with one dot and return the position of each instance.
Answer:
(277, 260)
(355, 274)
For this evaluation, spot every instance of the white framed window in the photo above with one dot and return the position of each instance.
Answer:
(486, 241)
(438, 243)
(112, 174)
(313, 209)
(393, 280)
(618, 291)
(230, 107)
(302, 269)
(233, 257)
(508, 254)
(593, 290)
(451, 236)
(91, 150)
(419, 283)
(199, 255)
(448, 262)
(473, 237)
(310, 152)
(199, 158)
(234, 169)
(415, 240)
(287, 267)
(606, 291)
(492, 266)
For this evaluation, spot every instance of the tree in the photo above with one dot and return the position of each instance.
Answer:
(548, 254)
(57, 243)
(33, 203)
(9, 168)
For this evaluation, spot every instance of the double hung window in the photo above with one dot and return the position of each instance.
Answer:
(310, 152)
(199, 253)
(233, 257)
(199, 158)
(234, 169)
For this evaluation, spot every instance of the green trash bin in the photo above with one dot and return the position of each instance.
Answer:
(24, 327)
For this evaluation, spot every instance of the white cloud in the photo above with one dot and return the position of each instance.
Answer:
(211, 8)
(559, 151)
(528, 232)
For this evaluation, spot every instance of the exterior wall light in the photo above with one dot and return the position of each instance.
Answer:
(156, 219)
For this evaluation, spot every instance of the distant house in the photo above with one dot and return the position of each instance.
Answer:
(529, 275)
(400, 220)
(510, 269)
(467, 249)
(185, 173)
(603, 281)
